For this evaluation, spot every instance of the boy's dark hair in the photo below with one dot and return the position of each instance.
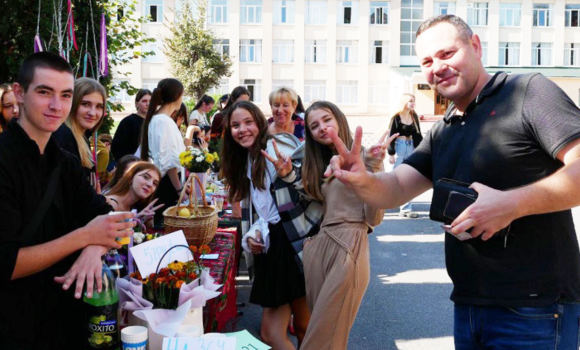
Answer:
(37, 60)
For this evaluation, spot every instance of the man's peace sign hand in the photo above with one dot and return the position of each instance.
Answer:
(282, 163)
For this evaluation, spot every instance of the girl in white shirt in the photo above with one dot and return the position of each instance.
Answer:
(198, 116)
(278, 283)
(162, 142)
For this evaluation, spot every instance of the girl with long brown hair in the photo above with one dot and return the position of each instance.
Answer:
(136, 187)
(162, 141)
(8, 106)
(279, 282)
(336, 261)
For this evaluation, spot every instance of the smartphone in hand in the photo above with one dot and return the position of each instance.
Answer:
(463, 236)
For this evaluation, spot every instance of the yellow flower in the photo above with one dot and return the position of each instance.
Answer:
(176, 266)
(209, 158)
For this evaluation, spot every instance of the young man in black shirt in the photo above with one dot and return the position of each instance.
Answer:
(49, 213)
(516, 139)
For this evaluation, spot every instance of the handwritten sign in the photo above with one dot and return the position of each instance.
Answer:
(205, 343)
(148, 254)
(246, 341)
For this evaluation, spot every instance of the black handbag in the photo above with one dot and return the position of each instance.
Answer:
(450, 198)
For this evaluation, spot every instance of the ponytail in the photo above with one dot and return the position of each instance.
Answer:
(153, 106)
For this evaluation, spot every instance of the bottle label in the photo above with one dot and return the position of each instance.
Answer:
(102, 330)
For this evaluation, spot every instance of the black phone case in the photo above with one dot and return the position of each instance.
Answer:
(456, 204)
(441, 197)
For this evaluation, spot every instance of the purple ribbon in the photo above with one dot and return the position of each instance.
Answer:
(37, 44)
(103, 57)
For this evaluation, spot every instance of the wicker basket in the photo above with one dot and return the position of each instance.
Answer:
(198, 229)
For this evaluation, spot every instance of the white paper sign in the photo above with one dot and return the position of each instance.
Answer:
(148, 254)
(205, 343)
(209, 256)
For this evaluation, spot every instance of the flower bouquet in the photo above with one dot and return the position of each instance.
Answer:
(198, 160)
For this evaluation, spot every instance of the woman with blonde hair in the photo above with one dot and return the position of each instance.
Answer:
(85, 118)
(8, 106)
(284, 119)
(405, 123)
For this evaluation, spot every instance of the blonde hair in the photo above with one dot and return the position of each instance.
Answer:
(403, 101)
(283, 91)
(83, 87)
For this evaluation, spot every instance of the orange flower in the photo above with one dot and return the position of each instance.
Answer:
(192, 275)
(178, 284)
(180, 274)
(193, 248)
(205, 249)
(159, 280)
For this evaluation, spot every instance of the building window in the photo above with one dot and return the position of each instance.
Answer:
(283, 51)
(314, 90)
(277, 84)
(572, 14)
(149, 85)
(379, 12)
(379, 52)
(477, 13)
(218, 11)
(316, 12)
(509, 54)
(411, 19)
(379, 93)
(315, 51)
(154, 9)
(543, 15)
(541, 54)
(222, 46)
(510, 14)
(157, 56)
(254, 87)
(122, 96)
(443, 8)
(251, 12)
(347, 12)
(284, 11)
(346, 51)
(222, 89)
(346, 92)
(572, 54)
(484, 53)
(250, 50)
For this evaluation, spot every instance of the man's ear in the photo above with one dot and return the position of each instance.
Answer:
(476, 45)
(18, 92)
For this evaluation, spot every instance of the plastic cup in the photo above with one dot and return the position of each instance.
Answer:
(188, 331)
(122, 240)
(134, 338)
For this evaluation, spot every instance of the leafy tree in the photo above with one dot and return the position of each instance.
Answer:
(123, 35)
(194, 60)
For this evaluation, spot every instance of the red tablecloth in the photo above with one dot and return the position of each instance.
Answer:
(221, 313)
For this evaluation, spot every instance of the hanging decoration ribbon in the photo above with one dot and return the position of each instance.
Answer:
(103, 55)
(86, 62)
(71, 26)
(37, 44)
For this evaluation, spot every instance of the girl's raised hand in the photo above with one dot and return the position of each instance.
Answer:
(149, 210)
(379, 150)
(282, 163)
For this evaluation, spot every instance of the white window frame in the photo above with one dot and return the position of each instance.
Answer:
(123, 96)
(384, 45)
(510, 14)
(158, 57)
(283, 51)
(352, 7)
(513, 52)
(315, 51)
(218, 11)
(444, 8)
(284, 12)
(222, 89)
(314, 90)
(381, 13)
(251, 12)
(347, 92)
(159, 5)
(541, 54)
(255, 88)
(379, 93)
(412, 13)
(572, 54)
(222, 46)
(347, 51)
(484, 53)
(250, 50)
(477, 14)
(316, 12)
(547, 14)
(572, 10)
(276, 84)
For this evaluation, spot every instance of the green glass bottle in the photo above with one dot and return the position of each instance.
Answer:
(102, 315)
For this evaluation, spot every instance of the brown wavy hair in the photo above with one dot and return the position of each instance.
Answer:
(234, 157)
(317, 156)
(124, 185)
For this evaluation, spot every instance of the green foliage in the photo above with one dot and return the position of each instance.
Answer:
(123, 36)
(190, 50)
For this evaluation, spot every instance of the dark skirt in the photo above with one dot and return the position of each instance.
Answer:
(167, 195)
(278, 279)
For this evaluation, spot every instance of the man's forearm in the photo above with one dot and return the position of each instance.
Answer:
(36, 258)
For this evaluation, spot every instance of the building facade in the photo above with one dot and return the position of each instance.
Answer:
(360, 54)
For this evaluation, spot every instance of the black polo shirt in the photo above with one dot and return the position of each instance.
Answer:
(509, 137)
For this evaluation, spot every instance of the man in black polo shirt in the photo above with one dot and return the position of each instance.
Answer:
(49, 213)
(516, 139)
